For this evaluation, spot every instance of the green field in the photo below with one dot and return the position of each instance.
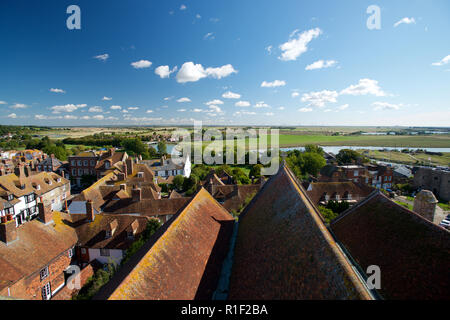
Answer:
(406, 158)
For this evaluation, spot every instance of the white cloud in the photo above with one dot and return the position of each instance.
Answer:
(320, 98)
(70, 117)
(281, 108)
(293, 48)
(327, 110)
(12, 115)
(98, 117)
(3, 102)
(102, 57)
(184, 99)
(56, 90)
(261, 104)
(242, 104)
(215, 101)
(405, 20)
(269, 113)
(85, 117)
(198, 16)
(115, 107)
(168, 98)
(239, 113)
(343, 107)
(386, 106)
(197, 110)
(67, 108)
(364, 87)
(215, 108)
(164, 71)
(19, 106)
(321, 64)
(190, 72)
(269, 49)
(107, 98)
(231, 95)
(95, 109)
(305, 109)
(444, 61)
(141, 64)
(133, 108)
(181, 110)
(210, 36)
(183, 7)
(124, 111)
(149, 111)
(295, 94)
(111, 118)
(276, 83)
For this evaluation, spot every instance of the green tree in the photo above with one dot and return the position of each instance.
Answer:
(162, 148)
(348, 156)
(327, 214)
(178, 181)
(313, 148)
(255, 171)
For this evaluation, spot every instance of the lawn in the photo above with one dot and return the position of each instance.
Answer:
(406, 158)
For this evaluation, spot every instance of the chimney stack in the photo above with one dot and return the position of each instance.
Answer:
(111, 151)
(90, 210)
(8, 230)
(45, 213)
(123, 187)
(129, 165)
(136, 193)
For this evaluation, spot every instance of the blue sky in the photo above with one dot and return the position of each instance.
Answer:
(236, 62)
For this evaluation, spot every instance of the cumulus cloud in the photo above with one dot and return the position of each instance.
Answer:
(19, 106)
(320, 64)
(215, 101)
(386, 106)
(242, 104)
(98, 117)
(297, 44)
(190, 72)
(231, 95)
(305, 109)
(133, 108)
(56, 90)
(164, 71)
(276, 83)
(102, 57)
(184, 99)
(149, 111)
(405, 20)
(12, 115)
(141, 64)
(281, 108)
(3, 102)
(269, 113)
(181, 110)
(95, 109)
(295, 94)
(106, 98)
(320, 98)
(70, 117)
(343, 107)
(364, 87)
(67, 108)
(115, 107)
(444, 61)
(183, 7)
(261, 104)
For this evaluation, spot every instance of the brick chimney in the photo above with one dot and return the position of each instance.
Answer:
(123, 186)
(136, 194)
(8, 230)
(125, 170)
(45, 213)
(90, 210)
(129, 165)
(28, 171)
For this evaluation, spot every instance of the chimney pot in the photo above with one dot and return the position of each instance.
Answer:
(136, 193)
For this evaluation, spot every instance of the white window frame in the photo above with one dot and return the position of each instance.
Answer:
(105, 252)
(46, 291)
(44, 273)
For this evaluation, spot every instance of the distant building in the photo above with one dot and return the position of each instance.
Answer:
(166, 167)
(435, 180)
(82, 164)
(322, 192)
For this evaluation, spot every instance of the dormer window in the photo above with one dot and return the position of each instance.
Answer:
(44, 273)
(107, 164)
(10, 197)
(108, 234)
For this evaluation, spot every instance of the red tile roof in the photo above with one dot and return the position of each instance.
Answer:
(413, 254)
(183, 259)
(284, 251)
